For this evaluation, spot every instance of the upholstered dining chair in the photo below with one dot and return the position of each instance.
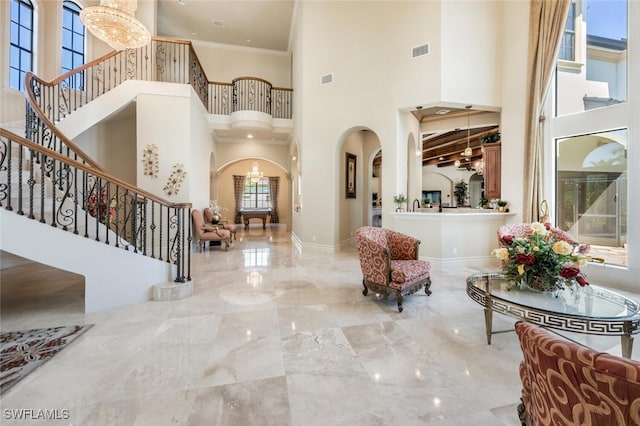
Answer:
(565, 383)
(204, 232)
(390, 264)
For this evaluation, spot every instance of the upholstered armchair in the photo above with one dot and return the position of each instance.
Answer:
(210, 219)
(206, 232)
(389, 263)
(524, 229)
(564, 383)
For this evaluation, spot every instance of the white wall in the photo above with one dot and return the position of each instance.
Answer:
(112, 144)
(223, 63)
(178, 127)
(376, 83)
(471, 52)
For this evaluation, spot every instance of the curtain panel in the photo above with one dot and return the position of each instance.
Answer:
(238, 185)
(547, 19)
(274, 187)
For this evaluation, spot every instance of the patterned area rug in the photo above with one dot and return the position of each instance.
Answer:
(21, 352)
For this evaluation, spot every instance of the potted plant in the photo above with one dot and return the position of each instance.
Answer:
(399, 199)
(427, 202)
(490, 137)
(502, 204)
(460, 192)
(484, 203)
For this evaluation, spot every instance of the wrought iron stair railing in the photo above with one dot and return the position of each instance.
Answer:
(51, 188)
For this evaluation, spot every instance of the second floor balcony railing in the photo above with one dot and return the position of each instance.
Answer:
(162, 60)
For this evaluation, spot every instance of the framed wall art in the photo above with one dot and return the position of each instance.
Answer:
(350, 176)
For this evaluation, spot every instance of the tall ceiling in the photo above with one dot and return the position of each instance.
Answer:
(266, 24)
(261, 24)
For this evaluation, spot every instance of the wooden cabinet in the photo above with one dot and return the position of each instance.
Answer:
(492, 170)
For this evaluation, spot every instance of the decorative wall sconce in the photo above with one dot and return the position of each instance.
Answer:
(150, 161)
(172, 187)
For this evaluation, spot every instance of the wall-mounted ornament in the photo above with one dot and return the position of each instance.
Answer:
(172, 187)
(150, 162)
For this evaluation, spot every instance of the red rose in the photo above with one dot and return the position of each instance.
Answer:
(507, 239)
(582, 281)
(547, 225)
(569, 271)
(525, 259)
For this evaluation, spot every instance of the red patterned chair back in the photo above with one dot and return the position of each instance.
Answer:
(564, 383)
(524, 229)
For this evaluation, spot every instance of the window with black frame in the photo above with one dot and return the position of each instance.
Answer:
(21, 44)
(256, 194)
(72, 43)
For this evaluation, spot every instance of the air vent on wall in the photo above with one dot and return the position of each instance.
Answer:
(326, 79)
(420, 51)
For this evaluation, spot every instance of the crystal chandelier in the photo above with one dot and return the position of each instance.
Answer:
(468, 152)
(255, 175)
(114, 23)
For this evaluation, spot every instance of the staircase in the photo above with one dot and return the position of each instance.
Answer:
(59, 208)
(123, 239)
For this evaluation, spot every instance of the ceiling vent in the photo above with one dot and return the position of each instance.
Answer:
(217, 24)
(326, 79)
(418, 51)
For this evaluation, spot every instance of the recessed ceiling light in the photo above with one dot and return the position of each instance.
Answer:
(247, 40)
(250, 136)
(443, 111)
(182, 2)
(217, 24)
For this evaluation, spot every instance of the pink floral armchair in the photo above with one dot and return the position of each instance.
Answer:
(389, 263)
(564, 383)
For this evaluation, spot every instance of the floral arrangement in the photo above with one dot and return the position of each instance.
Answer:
(541, 260)
(100, 208)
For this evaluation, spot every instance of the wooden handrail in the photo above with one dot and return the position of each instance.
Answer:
(251, 78)
(34, 105)
(99, 173)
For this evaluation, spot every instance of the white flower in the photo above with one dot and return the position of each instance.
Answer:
(562, 248)
(538, 229)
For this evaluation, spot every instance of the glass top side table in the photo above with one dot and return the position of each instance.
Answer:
(586, 310)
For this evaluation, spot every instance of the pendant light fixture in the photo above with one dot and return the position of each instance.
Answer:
(113, 22)
(254, 175)
(468, 152)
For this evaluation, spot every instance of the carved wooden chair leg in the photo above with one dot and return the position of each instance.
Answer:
(399, 297)
(366, 290)
(522, 414)
(427, 287)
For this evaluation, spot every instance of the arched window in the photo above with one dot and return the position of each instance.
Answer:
(21, 49)
(72, 42)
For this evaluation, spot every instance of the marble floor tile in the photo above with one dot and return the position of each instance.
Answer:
(273, 335)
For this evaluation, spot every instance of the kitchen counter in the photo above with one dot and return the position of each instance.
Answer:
(461, 236)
